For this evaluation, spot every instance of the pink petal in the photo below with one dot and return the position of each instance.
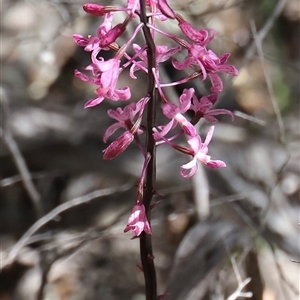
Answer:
(170, 110)
(201, 37)
(80, 40)
(132, 70)
(216, 164)
(195, 143)
(217, 84)
(137, 221)
(209, 135)
(185, 99)
(224, 58)
(111, 64)
(219, 111)
(228, 69)
(212, 98)
(105, 26)
(181, 65)
(165, 130)
(188, 170)
(111, 130)
(115, 114)
(210, 119)
(165, 55)
(93, 102)
(187, 127)
(122, 94)
(93, 45)
(82, 76)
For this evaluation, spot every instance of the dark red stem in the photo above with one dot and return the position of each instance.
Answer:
(146, 252)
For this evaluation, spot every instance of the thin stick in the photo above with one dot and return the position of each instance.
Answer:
(265, 29)
(241, 284)
(55, 212)
(6, 134)
(49, 256)
(268, 81)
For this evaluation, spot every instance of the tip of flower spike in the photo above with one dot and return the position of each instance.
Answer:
(93, 9)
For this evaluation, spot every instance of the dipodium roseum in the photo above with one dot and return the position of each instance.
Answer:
(163, 53)
(92, 43)
(125, 117)
(137, 221)
(201, 37)
(203, 107)
(210, 64)
(199, 153)
(175, 113)
(105, 74)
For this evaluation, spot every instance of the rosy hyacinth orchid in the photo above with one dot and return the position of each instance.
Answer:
(175, 113)
(201, 37)
(125, 117)
(137, 221)
(210, 64)
(163, 53)
(203, 108)
(200, 151)
(92, 43)
(105, 74)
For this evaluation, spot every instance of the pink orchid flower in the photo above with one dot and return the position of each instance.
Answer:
(105, 74)
(162, 55)
(200, 37)
(203, 108)
(133, 5)
(209, 64)
(92, 43)
(175, 113)
(137, 221)
(106, 35)
(200, 151)
(125, 117)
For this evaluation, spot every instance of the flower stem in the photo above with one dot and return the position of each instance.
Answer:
(146, 252)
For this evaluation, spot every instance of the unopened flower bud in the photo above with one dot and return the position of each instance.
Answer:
(95, 10)
(112, 35)
(118, 146)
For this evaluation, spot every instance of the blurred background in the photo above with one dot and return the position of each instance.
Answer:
(211, 233)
